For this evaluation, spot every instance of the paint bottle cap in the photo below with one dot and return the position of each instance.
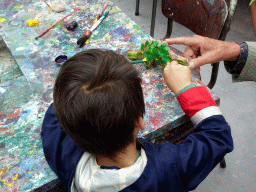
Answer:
(61, 59)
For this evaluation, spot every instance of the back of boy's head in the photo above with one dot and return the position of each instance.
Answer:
(97, 100)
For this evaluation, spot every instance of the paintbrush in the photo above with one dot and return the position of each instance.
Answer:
(87, 34)
(49, 6)
(101, 13)
(53, 26)
(138, 61)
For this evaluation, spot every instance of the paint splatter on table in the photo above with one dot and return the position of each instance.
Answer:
(27, 93)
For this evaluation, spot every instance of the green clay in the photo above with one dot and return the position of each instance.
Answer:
(154, 54)
(135, 55)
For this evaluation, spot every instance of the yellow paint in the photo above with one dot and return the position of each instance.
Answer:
(88, 40)
(30, 151)
(15, 177)
(32, 22)
(4, 170)
(2, 20)
(108, 38)
(95, 20)
(4, 182)
(40, 170)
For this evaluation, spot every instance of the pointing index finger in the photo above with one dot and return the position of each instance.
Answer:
(188, 41)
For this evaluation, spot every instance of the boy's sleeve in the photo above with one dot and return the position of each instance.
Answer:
(201, 151)
(60, 151)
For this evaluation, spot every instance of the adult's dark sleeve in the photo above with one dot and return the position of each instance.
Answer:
(235, 67)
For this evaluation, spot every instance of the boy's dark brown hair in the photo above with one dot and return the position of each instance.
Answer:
(97, 100)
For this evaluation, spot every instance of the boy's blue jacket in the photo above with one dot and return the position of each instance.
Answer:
(169, 167)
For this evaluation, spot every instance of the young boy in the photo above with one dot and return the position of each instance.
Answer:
(89, 132)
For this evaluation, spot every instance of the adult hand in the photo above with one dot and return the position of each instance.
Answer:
(177, 76)
(202, 50)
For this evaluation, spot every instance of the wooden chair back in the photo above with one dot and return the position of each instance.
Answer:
(203, 17)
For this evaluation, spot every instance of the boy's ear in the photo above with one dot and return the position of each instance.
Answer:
(140, 123)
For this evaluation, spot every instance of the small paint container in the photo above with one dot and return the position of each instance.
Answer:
(61, 59)
(71, 25)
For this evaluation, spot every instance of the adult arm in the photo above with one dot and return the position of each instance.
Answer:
(239, 58)
(203, 50)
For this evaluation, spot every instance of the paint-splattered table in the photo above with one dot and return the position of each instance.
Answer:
(26, 88)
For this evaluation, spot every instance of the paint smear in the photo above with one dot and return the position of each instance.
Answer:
(4, 170)
(3, 129)
(15, 177)
(5, 183)
(20, 48)
(2, 20)
(16, 7)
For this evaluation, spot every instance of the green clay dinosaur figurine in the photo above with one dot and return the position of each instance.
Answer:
(132, 55)
(154, 54)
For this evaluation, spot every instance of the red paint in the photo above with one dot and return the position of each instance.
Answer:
(77, 9)
(11, 115)
(35, 137)
(154, 121)
(3, 129)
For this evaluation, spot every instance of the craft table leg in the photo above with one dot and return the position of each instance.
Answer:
(223, 163)
(137, 7)
(153, 18)
(169, 29)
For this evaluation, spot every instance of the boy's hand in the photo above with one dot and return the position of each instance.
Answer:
(177, 76)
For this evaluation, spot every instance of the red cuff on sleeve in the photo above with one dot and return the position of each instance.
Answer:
(195, 99)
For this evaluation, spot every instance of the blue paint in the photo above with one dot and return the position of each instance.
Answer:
(120, 31)
(24, 114)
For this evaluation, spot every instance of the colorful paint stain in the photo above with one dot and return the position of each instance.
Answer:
(27, 93)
